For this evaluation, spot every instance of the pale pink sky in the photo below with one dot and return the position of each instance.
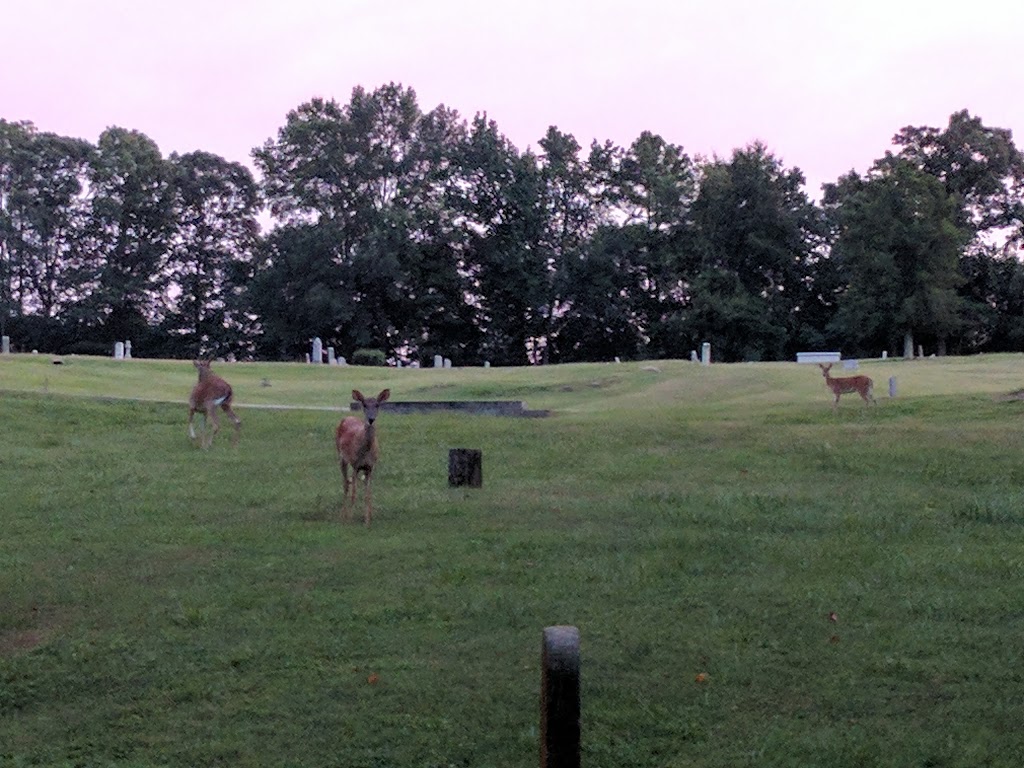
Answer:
(823, 83)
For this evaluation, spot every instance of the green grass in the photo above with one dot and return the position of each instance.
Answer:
(163, 605)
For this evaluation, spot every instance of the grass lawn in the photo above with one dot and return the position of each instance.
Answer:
(758, 581)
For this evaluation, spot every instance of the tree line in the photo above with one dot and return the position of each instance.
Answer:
(419, 233)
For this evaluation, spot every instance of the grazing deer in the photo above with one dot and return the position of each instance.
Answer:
(862, 385)
(210, 392)
(356, 440)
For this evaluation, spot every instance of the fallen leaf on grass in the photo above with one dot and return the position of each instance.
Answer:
(702, 677)
(373, 679)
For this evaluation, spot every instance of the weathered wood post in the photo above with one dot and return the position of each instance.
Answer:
(560, 698)
(465, 467)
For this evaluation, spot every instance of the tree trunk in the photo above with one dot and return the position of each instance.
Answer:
(908, 345)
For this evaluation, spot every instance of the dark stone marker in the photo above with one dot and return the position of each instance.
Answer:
(892, 386)
(560, 698)
(465, 467)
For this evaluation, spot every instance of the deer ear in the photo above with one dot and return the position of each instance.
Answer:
(384, 395)
(357, 395)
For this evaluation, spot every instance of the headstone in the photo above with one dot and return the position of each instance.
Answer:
(920, 350)
(617, 359)
(447, 363)
(705, 353)
(342, 361)
(885, 354)
(307, 357)
(560, 698)
(892, 386)
(465, 467)
(5, 341)
(398, 363)
(317, 355)
(438, 361)
(330, 356)
(487, 363)
(693, 356)
(128, 350)
(119, 350)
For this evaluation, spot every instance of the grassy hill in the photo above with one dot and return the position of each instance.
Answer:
(757, 580)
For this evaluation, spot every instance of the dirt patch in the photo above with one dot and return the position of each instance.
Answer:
(20, 641)
(1015, 395)
(42, 624)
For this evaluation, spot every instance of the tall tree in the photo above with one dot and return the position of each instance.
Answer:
(375, 174)
(753, 220)
(500, 209)
(211, 255)
(979, 167)
(131, 225)
(897, 248)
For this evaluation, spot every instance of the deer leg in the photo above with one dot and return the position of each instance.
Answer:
(234, 420)
(368, 498)
(211, 414)
(346, 509)
(191, 426)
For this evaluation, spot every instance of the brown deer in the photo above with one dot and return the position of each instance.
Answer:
(209, 393)
(356, 440)
(862, 385)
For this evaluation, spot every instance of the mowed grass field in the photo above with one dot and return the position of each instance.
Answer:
(758, 581)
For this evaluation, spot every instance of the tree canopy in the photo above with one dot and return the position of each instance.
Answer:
(417, 232)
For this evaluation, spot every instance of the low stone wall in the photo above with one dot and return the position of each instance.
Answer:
(479, 407)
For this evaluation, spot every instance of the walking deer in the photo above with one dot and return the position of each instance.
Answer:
(209, 393)
(862, 385)
(356, 440)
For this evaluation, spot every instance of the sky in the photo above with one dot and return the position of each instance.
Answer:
(824, 84)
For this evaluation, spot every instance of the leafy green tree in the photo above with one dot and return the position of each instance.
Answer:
(211, 256)
(375, 174)
(979, 167)
(500, 209)
(652, 191)
(130, 229)
(897, 248)
(754, 221)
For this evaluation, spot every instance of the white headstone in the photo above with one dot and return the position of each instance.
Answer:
(128, 350)
(617, 359)
(487, 363)
(693, 356)
(342, 361)
(705, 353)
(447, 363)
(330, 356)
(317, 356)
(5, 341)
(119, 350)
(885, 354)
(438, 361)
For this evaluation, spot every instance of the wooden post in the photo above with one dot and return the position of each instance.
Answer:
(465, 467)
(560, 698)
